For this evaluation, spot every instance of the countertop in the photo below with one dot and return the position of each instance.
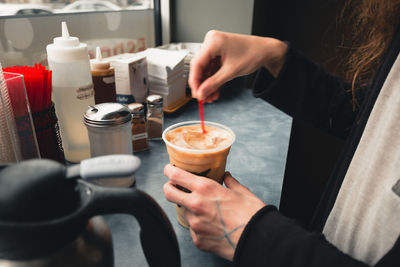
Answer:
(257, 160)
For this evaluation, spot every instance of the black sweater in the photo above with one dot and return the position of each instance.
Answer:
(305, 92)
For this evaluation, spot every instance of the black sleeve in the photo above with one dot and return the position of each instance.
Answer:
(306, 92)
(270, 239)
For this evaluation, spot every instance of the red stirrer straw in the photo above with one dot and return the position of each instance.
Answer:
(37, 83)
(201, 110)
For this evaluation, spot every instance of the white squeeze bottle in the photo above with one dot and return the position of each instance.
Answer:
(72, 92)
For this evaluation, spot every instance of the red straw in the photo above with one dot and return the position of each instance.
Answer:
(201, 110)
(37, 83)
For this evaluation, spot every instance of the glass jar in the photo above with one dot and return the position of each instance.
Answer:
(155, 117)
(138, 127)
(109, 130)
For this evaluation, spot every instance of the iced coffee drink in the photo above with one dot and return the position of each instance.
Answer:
(203, 154)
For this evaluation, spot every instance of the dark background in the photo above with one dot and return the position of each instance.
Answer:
(313, 27)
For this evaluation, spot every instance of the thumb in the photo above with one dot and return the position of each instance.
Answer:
(234, 184)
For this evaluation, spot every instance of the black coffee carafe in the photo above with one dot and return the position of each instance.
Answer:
(48, 215)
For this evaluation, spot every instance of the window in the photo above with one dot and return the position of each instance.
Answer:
(114, 26)
(38, 7)
(33, 11)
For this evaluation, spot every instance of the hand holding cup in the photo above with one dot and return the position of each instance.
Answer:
(216, 214)
(203, 154)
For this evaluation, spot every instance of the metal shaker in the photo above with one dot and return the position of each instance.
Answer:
(155, 117)
(109, 130)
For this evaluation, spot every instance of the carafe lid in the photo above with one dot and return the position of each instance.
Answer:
(36, 190)
(107, 114)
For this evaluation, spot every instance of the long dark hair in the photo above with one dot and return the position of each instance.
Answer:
(372, 24)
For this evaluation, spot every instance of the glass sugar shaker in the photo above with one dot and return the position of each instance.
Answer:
(109, 130)
(155, 116)
(138, 127)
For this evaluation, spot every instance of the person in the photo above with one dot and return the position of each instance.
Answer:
(357, 222)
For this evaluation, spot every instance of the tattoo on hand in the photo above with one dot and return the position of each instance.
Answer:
(226, 232)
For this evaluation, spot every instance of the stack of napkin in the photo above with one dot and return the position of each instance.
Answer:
(191, 48)
(166, 75)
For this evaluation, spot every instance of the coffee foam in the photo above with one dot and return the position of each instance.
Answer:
(192, 137)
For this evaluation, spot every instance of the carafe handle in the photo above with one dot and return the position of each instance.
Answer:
(157, 236)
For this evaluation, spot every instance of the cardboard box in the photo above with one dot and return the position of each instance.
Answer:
(131, 79)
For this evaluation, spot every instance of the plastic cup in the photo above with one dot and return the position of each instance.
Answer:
(209, 163)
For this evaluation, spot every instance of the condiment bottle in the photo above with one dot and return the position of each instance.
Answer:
(155, 116)
(72, 92)
(138, 127)
(109, 129)
(103, 79)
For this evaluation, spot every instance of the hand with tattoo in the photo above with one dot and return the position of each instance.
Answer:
(217, 215)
